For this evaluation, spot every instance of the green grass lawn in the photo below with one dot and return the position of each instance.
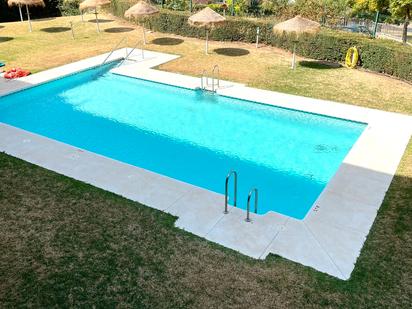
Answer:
(265, 67)
(67, 244)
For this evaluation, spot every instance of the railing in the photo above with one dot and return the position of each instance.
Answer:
(204, 75)
(215, 77)
(114, 48)
(132, 50)
(248, 203)
(215, 69)
(234, 173)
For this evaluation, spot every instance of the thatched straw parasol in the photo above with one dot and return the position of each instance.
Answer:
(27, 3)
(208, 19)
(141, 10)
(93, 4)
(297, 25)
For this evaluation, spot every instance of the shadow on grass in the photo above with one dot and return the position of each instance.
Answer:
(167, 41)
(5, 39)
(232, 52)
(55, 29)
(118, 29)
(101, 21)
(319, 65)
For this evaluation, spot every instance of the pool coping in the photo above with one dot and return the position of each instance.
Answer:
(328, 239)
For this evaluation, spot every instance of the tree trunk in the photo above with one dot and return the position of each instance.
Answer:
(405, 27)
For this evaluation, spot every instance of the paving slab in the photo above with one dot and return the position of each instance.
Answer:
(138, 184)
(296, 243)
(342, 211)
(198, 211)
(357, 185)
(136, 70)
(250, 238)
(343, 245)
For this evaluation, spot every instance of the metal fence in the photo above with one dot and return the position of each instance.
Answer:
(393, 30)
(389, 31)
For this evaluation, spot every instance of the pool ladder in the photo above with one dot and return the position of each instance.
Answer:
(249, 198)
(254, 190)
(128, 54)
(204, 79)
(234, 173)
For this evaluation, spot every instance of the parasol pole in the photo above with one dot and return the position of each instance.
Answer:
(144, 35)
(97, 20)
(207, 39)
(71, 27)
(21, 15)
(294, 56)
(28, 18)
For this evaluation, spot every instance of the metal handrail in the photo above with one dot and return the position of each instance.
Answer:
(133, 49)
(232, 172)
(114, 48)
(204, 75)
(216, 67)
(215, 77)
(248, 203)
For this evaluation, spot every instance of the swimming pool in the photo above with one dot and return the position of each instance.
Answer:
(193, 136)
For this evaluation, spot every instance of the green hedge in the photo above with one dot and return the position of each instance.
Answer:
(375, 54)
(69, 7)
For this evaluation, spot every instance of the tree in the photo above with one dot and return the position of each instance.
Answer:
(371, 6)
(335, 10)
(397, 8)
(276, 7)
(322, 10)
(402, 9)
(312, 9)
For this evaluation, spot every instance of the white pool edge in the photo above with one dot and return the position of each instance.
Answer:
(328, 239)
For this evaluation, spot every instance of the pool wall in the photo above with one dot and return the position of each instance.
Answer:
(330, 237)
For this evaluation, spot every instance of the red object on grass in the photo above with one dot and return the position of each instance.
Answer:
(16, 73)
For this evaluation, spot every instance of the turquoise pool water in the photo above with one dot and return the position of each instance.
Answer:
(192, 136)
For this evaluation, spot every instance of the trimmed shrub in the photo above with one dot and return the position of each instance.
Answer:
(69, 7)
(377, 55)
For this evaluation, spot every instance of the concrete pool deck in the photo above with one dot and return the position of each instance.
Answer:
(328, 239)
